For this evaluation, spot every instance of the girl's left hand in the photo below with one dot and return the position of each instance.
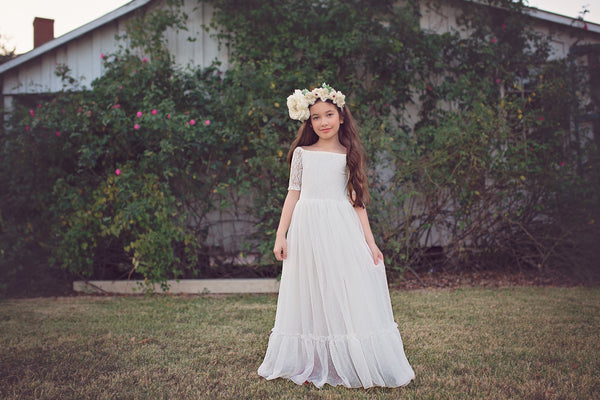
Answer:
(377, 254)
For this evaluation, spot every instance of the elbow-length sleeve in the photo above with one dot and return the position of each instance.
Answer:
(296, 170)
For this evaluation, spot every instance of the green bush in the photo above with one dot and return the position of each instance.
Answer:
(481, 169)
(123, 174)
(124, 179)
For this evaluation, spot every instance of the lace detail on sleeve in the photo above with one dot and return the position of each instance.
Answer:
(296, 170)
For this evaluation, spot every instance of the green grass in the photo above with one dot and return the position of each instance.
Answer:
(511, 343)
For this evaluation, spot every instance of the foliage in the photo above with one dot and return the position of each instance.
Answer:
(483, 173)
(6, 53)
(119, 179)
(468, 134)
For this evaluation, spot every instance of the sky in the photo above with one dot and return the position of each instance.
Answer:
(16, 18)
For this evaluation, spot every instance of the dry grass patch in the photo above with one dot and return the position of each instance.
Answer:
(526, 343)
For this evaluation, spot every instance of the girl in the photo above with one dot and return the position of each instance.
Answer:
(334, 321)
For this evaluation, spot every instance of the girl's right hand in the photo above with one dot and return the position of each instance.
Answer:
(280, 248)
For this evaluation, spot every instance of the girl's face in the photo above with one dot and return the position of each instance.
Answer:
(325, 119)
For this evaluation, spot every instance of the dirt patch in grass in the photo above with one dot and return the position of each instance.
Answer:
(492, 278)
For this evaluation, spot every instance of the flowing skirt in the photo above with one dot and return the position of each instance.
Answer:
(334, 321)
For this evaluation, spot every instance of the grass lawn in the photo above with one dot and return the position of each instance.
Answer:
(475, 343)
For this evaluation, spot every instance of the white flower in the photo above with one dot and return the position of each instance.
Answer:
(298, 106)
(322, 93)
(310, 98)
(339, 99)
(299, 102)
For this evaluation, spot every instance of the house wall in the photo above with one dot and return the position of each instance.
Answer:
(563, 31)
(205, 49)
(82, 54)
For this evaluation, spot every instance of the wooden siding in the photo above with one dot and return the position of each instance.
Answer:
(82, 54)
(563, 31)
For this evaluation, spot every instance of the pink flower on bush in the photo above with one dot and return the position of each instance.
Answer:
(39, 106)
(27, 127)
(57, 133)
(32, 113)
(154, 112)
(562, 164)
(498, 80)
(79, 110)
(136, 126)
(144, 60)
(493, 40)
(192, 122)
(503, 26)
(118, 171)
(541, 118)
(117, 106)
(139, 114)
(168, 116)
(102, 56)
(120, 87)
(207, 122)
(89, 113)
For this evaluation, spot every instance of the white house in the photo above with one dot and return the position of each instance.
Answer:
(81, 49)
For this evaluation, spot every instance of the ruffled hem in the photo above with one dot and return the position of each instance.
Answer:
(352, 360)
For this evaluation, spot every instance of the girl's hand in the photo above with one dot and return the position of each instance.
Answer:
(280, 248)
(377, 254)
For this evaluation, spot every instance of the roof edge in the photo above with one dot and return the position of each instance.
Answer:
(135, 4)
(560, 19)
(75, 33)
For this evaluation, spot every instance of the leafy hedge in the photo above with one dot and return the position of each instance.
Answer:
(468, 134)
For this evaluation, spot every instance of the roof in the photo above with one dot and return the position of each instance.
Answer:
(74, 34)
(135, 4)
(562, 19)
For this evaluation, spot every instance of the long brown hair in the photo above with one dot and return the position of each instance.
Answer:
(358, 185)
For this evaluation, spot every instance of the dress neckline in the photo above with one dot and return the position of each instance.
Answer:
(322, 151)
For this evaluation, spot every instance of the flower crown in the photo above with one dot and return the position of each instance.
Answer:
(299, 102)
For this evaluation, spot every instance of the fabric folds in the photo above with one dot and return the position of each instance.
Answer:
(334, 322)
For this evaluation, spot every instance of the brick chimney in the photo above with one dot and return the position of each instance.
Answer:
(43, 31)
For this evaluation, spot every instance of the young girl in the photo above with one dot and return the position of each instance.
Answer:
(334, 321)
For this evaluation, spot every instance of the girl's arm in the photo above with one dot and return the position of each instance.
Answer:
(280, 248)
(364, 221)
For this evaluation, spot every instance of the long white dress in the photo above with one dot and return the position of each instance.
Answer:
(334, 321)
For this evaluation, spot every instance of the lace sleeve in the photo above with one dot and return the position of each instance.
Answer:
(296, 170)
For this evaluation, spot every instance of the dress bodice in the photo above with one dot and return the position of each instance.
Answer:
(319, 174)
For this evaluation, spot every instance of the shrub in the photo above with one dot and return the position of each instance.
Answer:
(124, 179)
